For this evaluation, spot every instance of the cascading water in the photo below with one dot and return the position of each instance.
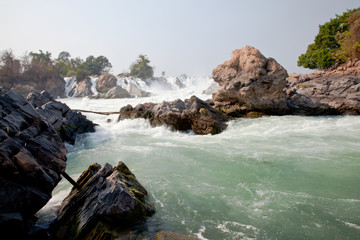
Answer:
(286, 177)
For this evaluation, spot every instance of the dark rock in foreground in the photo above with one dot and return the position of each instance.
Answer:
(67, 123)
(110, 199)
(32, 156)
(191, 114)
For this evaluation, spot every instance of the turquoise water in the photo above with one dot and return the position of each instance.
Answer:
(284, 177)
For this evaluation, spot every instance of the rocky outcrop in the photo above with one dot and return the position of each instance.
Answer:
(252, 85)
(116, 92)
(336, 91)
(105, 82)
(110, 199)
(68, 123)
(82, 88)
(191, 114)
(32, 156)
(250, 82)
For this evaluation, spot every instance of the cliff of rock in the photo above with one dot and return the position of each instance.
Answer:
(32, 157)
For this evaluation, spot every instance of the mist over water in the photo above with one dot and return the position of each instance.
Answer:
(286, 177)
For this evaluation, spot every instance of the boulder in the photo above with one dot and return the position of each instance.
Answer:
(105, 83)
(116, 92)
(211, 89)
(32, 157)
(138, 92)
(249, 82)
(68, 123)
(110, 200)
(191, 114)
(82, 88)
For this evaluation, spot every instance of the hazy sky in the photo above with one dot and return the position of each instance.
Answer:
(178, 36)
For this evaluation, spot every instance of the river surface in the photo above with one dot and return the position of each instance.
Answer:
(286, 177)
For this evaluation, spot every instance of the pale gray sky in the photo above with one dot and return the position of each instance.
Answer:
(178, 36)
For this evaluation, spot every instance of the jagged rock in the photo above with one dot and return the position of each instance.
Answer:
(82, 88)
(110, 199)
(191, 114)
(105, 83)
(250, 82)
(336, 91)
(32, 156)
(68, 123)
(38, 99)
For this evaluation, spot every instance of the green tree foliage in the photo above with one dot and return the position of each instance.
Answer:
(324, 52)
(350, 40)
(141, 68)
(40, 65)
(97, 66)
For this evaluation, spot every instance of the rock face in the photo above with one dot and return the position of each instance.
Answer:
(116, 92)
(191, 114)
(250, 82)
(336, 91)
(67, 123)
(32, 156)
(105, 83)
(82, 88)
(110, 199)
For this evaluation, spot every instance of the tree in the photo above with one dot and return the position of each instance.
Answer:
(322, 54)
(141, 68)
(63, 57)
(97, 66)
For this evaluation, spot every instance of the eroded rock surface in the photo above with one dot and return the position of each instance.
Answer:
(110, 200)
(191, 114)
(250, 82)
(336, 91)
(32, 156)
(68, 123)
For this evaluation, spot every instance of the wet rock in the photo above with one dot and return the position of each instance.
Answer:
(32, 156)
(110, 200)
(191, 114)
(68, 123)
(250, 82)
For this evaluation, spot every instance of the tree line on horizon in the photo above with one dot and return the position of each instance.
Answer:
(40, 66)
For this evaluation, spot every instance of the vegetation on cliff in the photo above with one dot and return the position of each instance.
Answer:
(337, 41)
(141, 68)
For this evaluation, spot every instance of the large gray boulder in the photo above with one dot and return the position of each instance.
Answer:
(110, 199)
(32, 157)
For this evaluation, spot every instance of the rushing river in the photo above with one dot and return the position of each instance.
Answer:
(286, 177)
